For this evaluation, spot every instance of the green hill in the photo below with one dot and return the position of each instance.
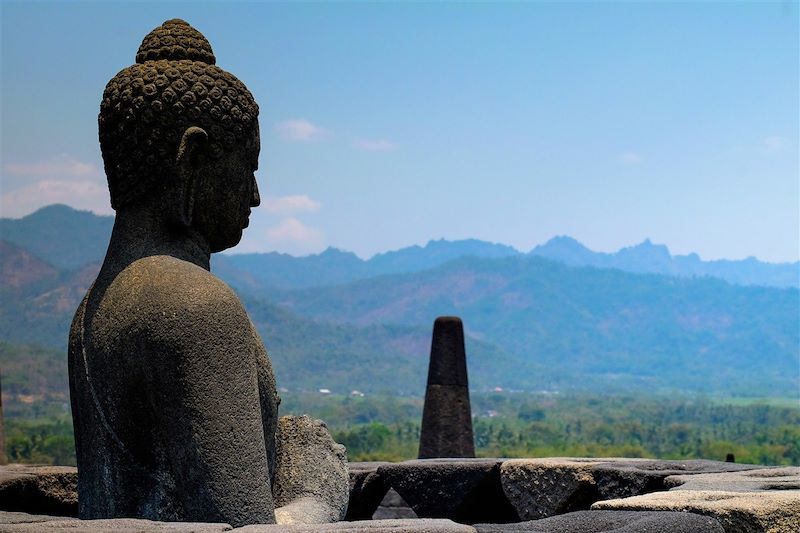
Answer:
(307, 354)
(593, 328)
(531, 323)
(61, 235)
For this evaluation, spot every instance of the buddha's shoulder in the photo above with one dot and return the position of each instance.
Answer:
(162, 306)
(161, 284)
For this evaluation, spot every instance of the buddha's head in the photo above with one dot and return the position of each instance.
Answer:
(179, 132)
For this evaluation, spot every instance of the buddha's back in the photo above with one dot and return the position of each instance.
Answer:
(179, 383)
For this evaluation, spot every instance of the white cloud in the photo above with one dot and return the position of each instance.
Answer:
(290, 235)
(374, 145)
(630, 158)
(285, 205)
(300, 130)
(83, 194)
(291, 230)
(64, 166)
(774, 144)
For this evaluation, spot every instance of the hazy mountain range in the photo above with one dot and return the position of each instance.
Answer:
(67, 239)
(560, 317)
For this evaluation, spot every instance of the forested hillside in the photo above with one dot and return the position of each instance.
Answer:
(582, 360)
(532, 323)
(60, 235)
(601, 328)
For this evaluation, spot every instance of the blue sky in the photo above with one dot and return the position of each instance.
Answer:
(386, 125)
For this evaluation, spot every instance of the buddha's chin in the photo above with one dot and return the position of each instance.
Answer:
(229, 242)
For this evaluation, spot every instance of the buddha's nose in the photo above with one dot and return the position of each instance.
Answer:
(255, 201)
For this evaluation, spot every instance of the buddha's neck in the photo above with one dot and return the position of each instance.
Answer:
(145, 231)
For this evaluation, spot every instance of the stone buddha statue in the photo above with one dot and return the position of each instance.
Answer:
(173, 394)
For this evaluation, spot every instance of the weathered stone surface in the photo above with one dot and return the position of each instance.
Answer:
(446, 429)
(786, 478)
(311, 479)
(620, 479)
(374, 526)
(119, 525)
(538, 488)
(366, 490)
(24, 523)
(173, 394)
(464, 490)
(612, 522)
(50, 490)
(738, 512)
(393, 506)
(13, 517)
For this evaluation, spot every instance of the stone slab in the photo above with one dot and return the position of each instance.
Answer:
(13, 517)
(367, 490)
(371, 466)
(621, 479)
(784, 478)
(739, 512)
(117, 525)
(49, 490)
(464, 490)
(27, 523)
(612, 521)
(538, 488)
(366, 526)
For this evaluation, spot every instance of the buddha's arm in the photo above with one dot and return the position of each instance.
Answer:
(206, 398)
(269, 399)
(311, 481)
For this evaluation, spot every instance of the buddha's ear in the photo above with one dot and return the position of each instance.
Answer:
(188, 162)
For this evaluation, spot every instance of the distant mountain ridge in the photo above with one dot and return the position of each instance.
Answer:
(656, 259)
(335, 267)
(335, 321)
(67, 238)
(531, 324)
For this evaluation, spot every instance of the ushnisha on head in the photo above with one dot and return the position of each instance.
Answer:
(173, 95)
